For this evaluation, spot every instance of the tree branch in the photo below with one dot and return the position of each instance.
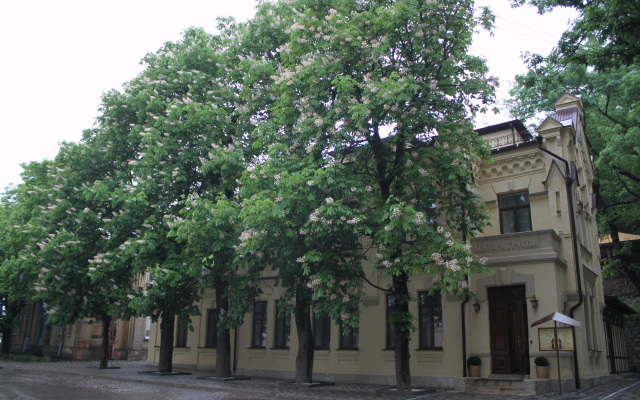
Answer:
(376, 286)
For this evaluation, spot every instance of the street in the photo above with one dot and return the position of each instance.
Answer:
(25, 385)
(69, 380)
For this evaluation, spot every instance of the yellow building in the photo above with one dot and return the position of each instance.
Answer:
(543, 251)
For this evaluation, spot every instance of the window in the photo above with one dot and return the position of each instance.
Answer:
(181, 337)
(259, 333)
(212, 328)
(432, 216)
(349, 341)
(147, 328)
(391, 302)
(430, 320)
(322, 333)
(283, 328)
(515, 212)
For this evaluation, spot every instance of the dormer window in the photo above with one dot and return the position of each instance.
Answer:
(515, 212)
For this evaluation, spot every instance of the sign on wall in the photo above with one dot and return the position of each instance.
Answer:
(548, 341)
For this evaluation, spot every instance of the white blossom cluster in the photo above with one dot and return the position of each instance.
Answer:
(437, 257)
(313, 282)
(452, 265)
(396, 213)
(314, 215)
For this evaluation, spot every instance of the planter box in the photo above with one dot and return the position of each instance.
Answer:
(542, 372)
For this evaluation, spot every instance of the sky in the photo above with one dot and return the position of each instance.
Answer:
(59, 57)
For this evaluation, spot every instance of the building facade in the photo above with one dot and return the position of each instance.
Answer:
(543, 253)
(82, 340)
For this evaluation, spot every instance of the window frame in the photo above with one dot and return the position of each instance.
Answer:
(147, 328)
(514, 212)
(211, 336)
(350, 341)
(282, 327)
(259, 320)
(435, 309)
(182, 333)
(322, 326)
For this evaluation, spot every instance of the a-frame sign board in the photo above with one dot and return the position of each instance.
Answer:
(557, 317)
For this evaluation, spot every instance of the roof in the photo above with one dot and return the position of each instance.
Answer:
(623, 238)
(558, 317)
(516, 124)
(567, 116)
(617, 305)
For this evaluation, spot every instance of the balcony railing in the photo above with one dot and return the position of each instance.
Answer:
(507, 140)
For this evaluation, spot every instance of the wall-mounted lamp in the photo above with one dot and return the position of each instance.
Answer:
(534, 302)
(476, 306)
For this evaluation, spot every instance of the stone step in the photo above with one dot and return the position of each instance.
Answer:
(499, 391)
(508, 387)
(507, 377)
(494, 383)
(494, 386)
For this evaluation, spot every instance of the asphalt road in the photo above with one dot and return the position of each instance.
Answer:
(25, 385)
(66, 380)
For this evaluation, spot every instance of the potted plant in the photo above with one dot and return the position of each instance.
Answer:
(542, 367)
(474, 363)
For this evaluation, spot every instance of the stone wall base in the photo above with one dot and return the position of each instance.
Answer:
(459, 384)
(383, 380)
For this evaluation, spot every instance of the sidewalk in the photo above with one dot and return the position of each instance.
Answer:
(275, 388)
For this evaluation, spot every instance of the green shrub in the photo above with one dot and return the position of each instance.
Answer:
(474, 360)
(541, 362)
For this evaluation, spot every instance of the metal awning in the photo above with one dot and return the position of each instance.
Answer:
(557, 317)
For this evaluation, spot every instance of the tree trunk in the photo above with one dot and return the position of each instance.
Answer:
(6, 340)
(12, 309)
(46, 343)
(167, 327)
(402, 330)
(104, 351)
(223, 341)
(304, 359)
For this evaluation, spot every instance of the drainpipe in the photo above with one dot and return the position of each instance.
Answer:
(463, 309)
(464, 331)
(61, 335)
(464, 323)
(235, 349)
(576, 262)
(26, 343)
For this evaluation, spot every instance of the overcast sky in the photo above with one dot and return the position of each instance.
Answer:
(58, 57)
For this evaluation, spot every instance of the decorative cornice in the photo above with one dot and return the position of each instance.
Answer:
(512, 164)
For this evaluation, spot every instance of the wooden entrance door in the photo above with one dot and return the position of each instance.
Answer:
(509, 330)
